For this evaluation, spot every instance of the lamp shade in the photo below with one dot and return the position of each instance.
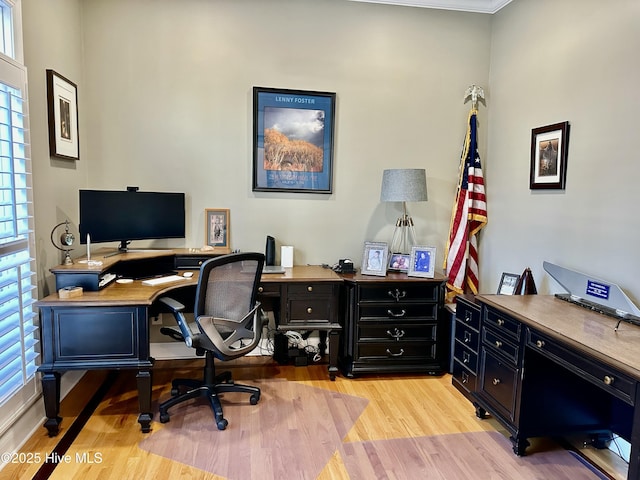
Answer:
(404, 185)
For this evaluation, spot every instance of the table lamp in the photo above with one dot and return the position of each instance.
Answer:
(403, 185)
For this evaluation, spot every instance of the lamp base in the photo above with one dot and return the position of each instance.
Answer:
(404, 235)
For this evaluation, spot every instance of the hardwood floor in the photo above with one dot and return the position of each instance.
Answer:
(107, 446)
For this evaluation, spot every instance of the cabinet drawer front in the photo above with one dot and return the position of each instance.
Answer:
(503, 323)
(400, 332)
(499, 383)
(600, 375)
(464, 376)
(418, 351)
(498, 342)
(325, 289)
(467, 336)
(400, 292)
(465, 356)
(400, 311)
(307, 310)
(269, 289)
(468, 315)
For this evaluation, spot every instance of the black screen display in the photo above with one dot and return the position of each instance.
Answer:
(110, 216)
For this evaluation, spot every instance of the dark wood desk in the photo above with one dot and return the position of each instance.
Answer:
(551, 368)
(108, 327)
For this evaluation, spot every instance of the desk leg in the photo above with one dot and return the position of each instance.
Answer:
(144, 399)
(322, 345)
(51, 394)
(334, 337)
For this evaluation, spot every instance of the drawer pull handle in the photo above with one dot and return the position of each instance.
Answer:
(309, 310)
(467, 337)
(498, 343)
(310, 288)
(465, 377)
(500, 322)
(466, 358)
(395, 354)
(496, 381)
(260, 289)
(200, 262)
(397, 315)
(467, 317)
(397, 295)
(608, 380)
(397, 334)
(539, 343)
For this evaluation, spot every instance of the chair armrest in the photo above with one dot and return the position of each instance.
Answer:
(173, 305)
(177, 309)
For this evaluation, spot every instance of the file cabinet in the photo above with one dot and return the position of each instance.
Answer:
(394, 324)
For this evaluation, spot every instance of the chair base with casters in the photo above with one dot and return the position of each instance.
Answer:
(211, 386)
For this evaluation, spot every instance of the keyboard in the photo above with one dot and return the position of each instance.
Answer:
(162, 280)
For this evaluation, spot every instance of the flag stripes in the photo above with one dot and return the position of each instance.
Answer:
(468, 217)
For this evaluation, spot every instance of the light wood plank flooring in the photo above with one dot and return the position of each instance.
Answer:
(112, 434)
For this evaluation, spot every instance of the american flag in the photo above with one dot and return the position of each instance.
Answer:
(468, 217)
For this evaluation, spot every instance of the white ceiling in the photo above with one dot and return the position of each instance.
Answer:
(477, 6)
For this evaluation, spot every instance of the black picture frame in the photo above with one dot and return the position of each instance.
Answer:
(62, 107)
(508, 283)
(293, 142)
(399, 262)
(549, 146)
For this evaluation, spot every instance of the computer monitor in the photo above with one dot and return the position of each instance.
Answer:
(123, 216)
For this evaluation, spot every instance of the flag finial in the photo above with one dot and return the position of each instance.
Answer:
(475, 92)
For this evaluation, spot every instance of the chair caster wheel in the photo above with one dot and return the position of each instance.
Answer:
(222, 424)
(254, 399)
(164, 417)
(175, 392)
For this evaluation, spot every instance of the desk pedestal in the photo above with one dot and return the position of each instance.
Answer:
(94, 338)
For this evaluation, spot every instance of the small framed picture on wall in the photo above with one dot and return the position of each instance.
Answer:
(216, 227)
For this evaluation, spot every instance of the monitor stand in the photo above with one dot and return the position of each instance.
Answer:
(122, 248)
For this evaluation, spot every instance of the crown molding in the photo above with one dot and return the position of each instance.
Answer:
(476, 6)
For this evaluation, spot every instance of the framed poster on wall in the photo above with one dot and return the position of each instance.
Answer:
(292, 140)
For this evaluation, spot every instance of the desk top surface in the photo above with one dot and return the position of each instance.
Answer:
(135, 293)
(584, 330)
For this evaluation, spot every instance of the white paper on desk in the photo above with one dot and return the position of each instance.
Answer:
(286, 256)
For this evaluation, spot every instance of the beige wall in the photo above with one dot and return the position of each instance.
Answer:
(52, 34)
(165, 104)
(553, 61)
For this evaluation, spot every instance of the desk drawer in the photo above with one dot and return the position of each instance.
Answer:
(313, 289)
(465, 356)
(464, 376)
(396, 332)
(269, 289)
(400, 311)
(498, 383)
(405, 292)
(420, 351)
(600, 375)
(467, 314)
(503, 323)
(499, 343)
(305, 310)
(467, 336)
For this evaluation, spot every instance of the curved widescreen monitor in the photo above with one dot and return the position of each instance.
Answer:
(123, 216)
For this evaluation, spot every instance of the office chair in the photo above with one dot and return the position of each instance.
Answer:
(228, 325)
